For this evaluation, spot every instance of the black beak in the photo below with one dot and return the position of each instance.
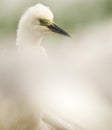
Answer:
(53, 27)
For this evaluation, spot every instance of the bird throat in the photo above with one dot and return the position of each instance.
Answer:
(28, 41)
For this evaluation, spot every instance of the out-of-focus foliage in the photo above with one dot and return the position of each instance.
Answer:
(68, 13)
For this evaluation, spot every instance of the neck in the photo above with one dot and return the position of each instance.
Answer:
(29, 43)
(28, 39)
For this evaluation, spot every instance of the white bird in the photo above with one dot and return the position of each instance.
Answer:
(35, 23)
(72, 99)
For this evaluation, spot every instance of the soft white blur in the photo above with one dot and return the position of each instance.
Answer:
(76, 81)
(80, 88)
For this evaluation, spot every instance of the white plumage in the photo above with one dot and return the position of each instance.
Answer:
(35, 23)
(74, 89)
(30, 33)
(22, 75)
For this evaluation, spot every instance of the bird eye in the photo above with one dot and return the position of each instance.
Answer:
(44, 22)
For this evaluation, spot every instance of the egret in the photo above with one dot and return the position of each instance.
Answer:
(35, 23)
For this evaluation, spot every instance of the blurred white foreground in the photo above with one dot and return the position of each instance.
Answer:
(81, 89)
(76, 86)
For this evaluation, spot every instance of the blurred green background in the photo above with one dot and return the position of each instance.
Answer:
(70, 14)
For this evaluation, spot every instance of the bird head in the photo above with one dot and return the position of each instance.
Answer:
(39, 18)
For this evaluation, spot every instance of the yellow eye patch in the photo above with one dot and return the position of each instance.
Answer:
(45, 22)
